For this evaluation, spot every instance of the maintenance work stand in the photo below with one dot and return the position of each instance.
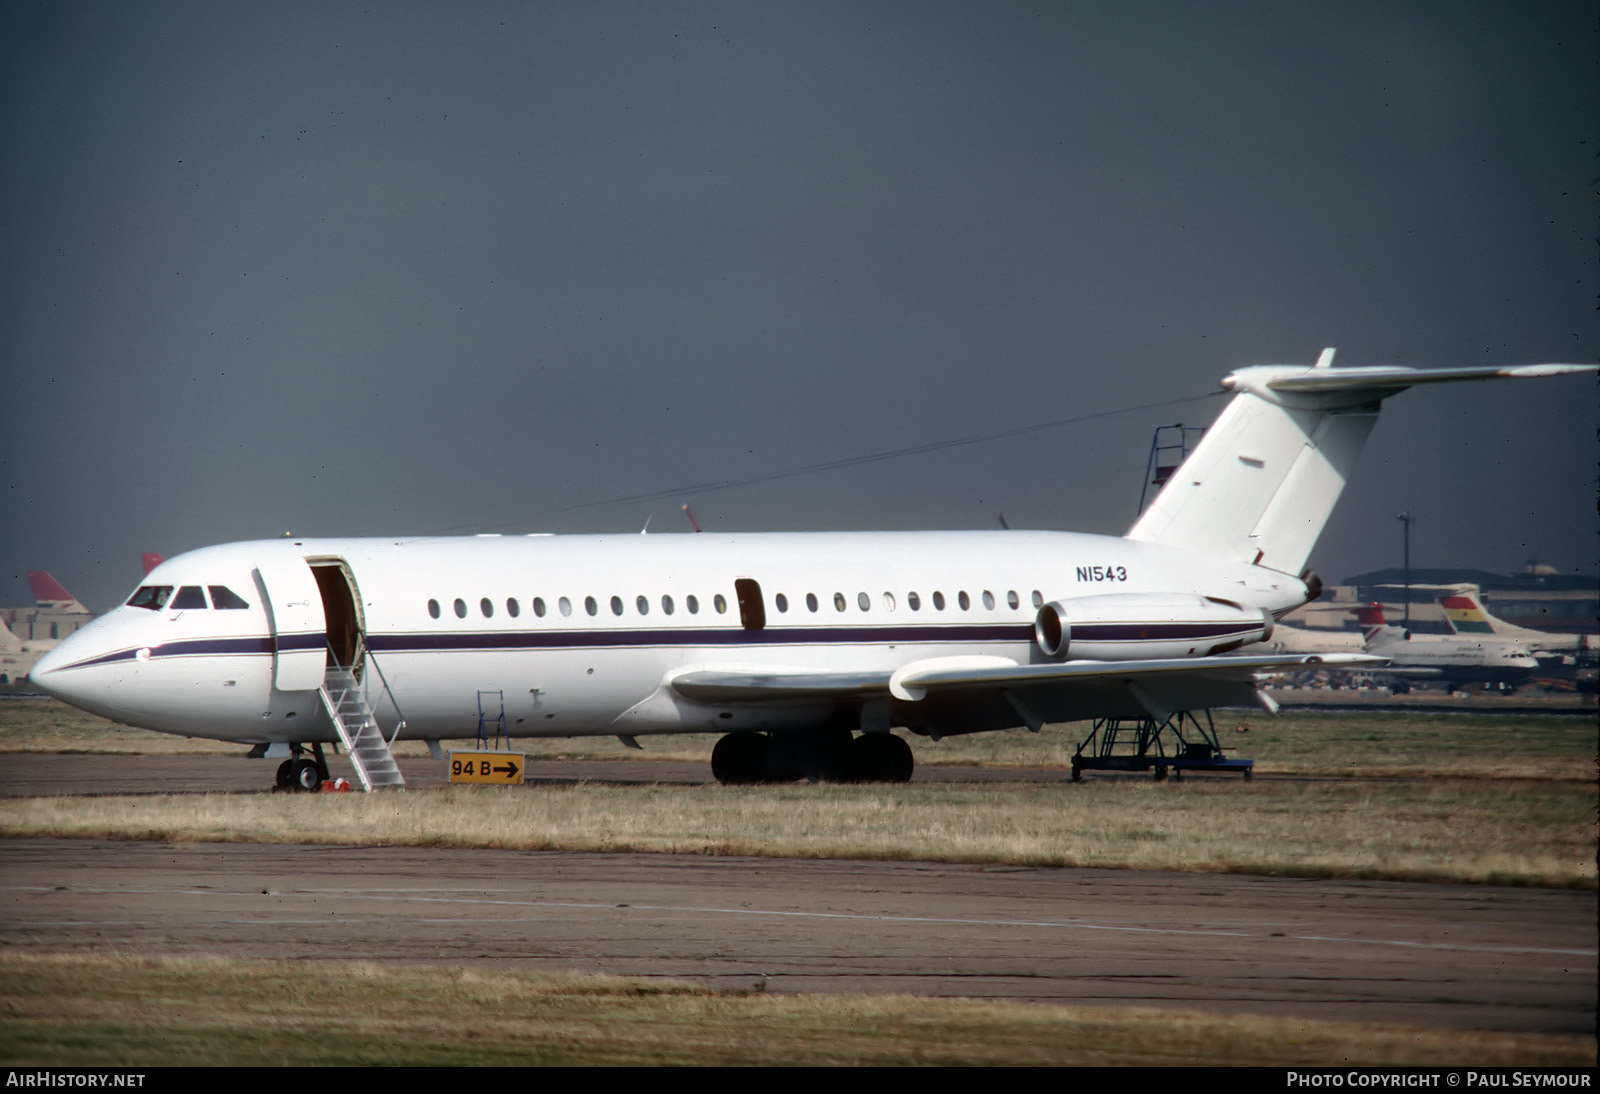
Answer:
(1178, 743)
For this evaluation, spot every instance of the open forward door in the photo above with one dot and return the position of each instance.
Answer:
(299, 633)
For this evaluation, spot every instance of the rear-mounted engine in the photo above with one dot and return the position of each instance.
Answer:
(1136, 626)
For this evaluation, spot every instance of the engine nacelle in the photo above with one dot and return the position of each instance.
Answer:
(1136, 626)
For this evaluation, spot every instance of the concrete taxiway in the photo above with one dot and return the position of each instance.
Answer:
(1478, 957)
(1468, 956)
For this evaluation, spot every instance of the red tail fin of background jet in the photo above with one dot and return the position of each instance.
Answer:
(48, 593)
(1370, 616)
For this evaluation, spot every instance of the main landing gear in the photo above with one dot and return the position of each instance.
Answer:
(302, 773)
(832, 755)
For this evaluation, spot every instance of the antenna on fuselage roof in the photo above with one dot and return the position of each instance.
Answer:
(646, 527)
(690, 514)
(1001, 517)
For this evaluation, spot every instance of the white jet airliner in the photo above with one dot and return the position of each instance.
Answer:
(804, 649)
(1455, 659)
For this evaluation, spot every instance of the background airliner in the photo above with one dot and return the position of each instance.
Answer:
(1464, 611)
(1454, 659)
(803, 649)
(26, 634)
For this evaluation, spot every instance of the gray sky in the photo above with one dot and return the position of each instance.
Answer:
(386, 269)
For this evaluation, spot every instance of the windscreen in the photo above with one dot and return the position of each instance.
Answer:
(153, 597)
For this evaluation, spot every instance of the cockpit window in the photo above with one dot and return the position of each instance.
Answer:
(153, 597)
(224, 598)
(189, 597)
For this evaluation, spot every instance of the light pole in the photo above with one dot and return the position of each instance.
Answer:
(1405, 538)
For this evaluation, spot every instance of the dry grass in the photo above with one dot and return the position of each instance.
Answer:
(1468, 746)
(1368, 744)
(1519, 806)
(1455, 830)
(47, 725)
(134, 1012)
(1460, 798)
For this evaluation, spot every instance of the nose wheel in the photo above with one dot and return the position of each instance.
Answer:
(299, 774)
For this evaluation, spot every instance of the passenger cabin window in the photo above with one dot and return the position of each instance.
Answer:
(1038, 599)
(461, 608)
(692, 602)
(538, 606)
(153, 597)
(513, 609)
(782, 602)
(433, 608)
(888, 602)
(616, 605)
(914, 602)
(811, 601)
(863, 601)
(565, 605)
(964, 600)
(666, 605)
(1012, 599)
(720, 603)
(189, 598)
(938, 601)
(590, 606)
(486, 606)
(988, 600)
(643, 604)
(838, 602)
(225, 599)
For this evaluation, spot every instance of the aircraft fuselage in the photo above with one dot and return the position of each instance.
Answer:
(579, 634)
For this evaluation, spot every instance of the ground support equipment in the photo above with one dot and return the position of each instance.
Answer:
(1178, 743)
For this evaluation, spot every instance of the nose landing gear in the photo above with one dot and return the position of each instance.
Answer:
(301, 773)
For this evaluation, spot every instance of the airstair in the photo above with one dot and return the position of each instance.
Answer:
(346, 703)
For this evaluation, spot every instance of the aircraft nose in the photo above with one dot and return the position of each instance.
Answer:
(47, 674)
(68, 672)
(51, 661)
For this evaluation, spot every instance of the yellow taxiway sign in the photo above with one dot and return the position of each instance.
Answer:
(494, 768)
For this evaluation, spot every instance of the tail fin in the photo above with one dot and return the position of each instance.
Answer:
(1262, 483)
(150, 560)
(47, 591)
(1463, 612)
(1370, 616)
(1463, 608)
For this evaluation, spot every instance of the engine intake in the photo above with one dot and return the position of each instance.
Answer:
(1136, 626)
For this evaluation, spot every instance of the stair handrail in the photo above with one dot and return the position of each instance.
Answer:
(357, 725)
(387, 690)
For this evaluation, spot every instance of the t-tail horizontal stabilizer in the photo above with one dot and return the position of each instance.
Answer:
(1260, 486)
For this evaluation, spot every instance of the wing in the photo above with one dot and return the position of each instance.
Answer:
(953, 695)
